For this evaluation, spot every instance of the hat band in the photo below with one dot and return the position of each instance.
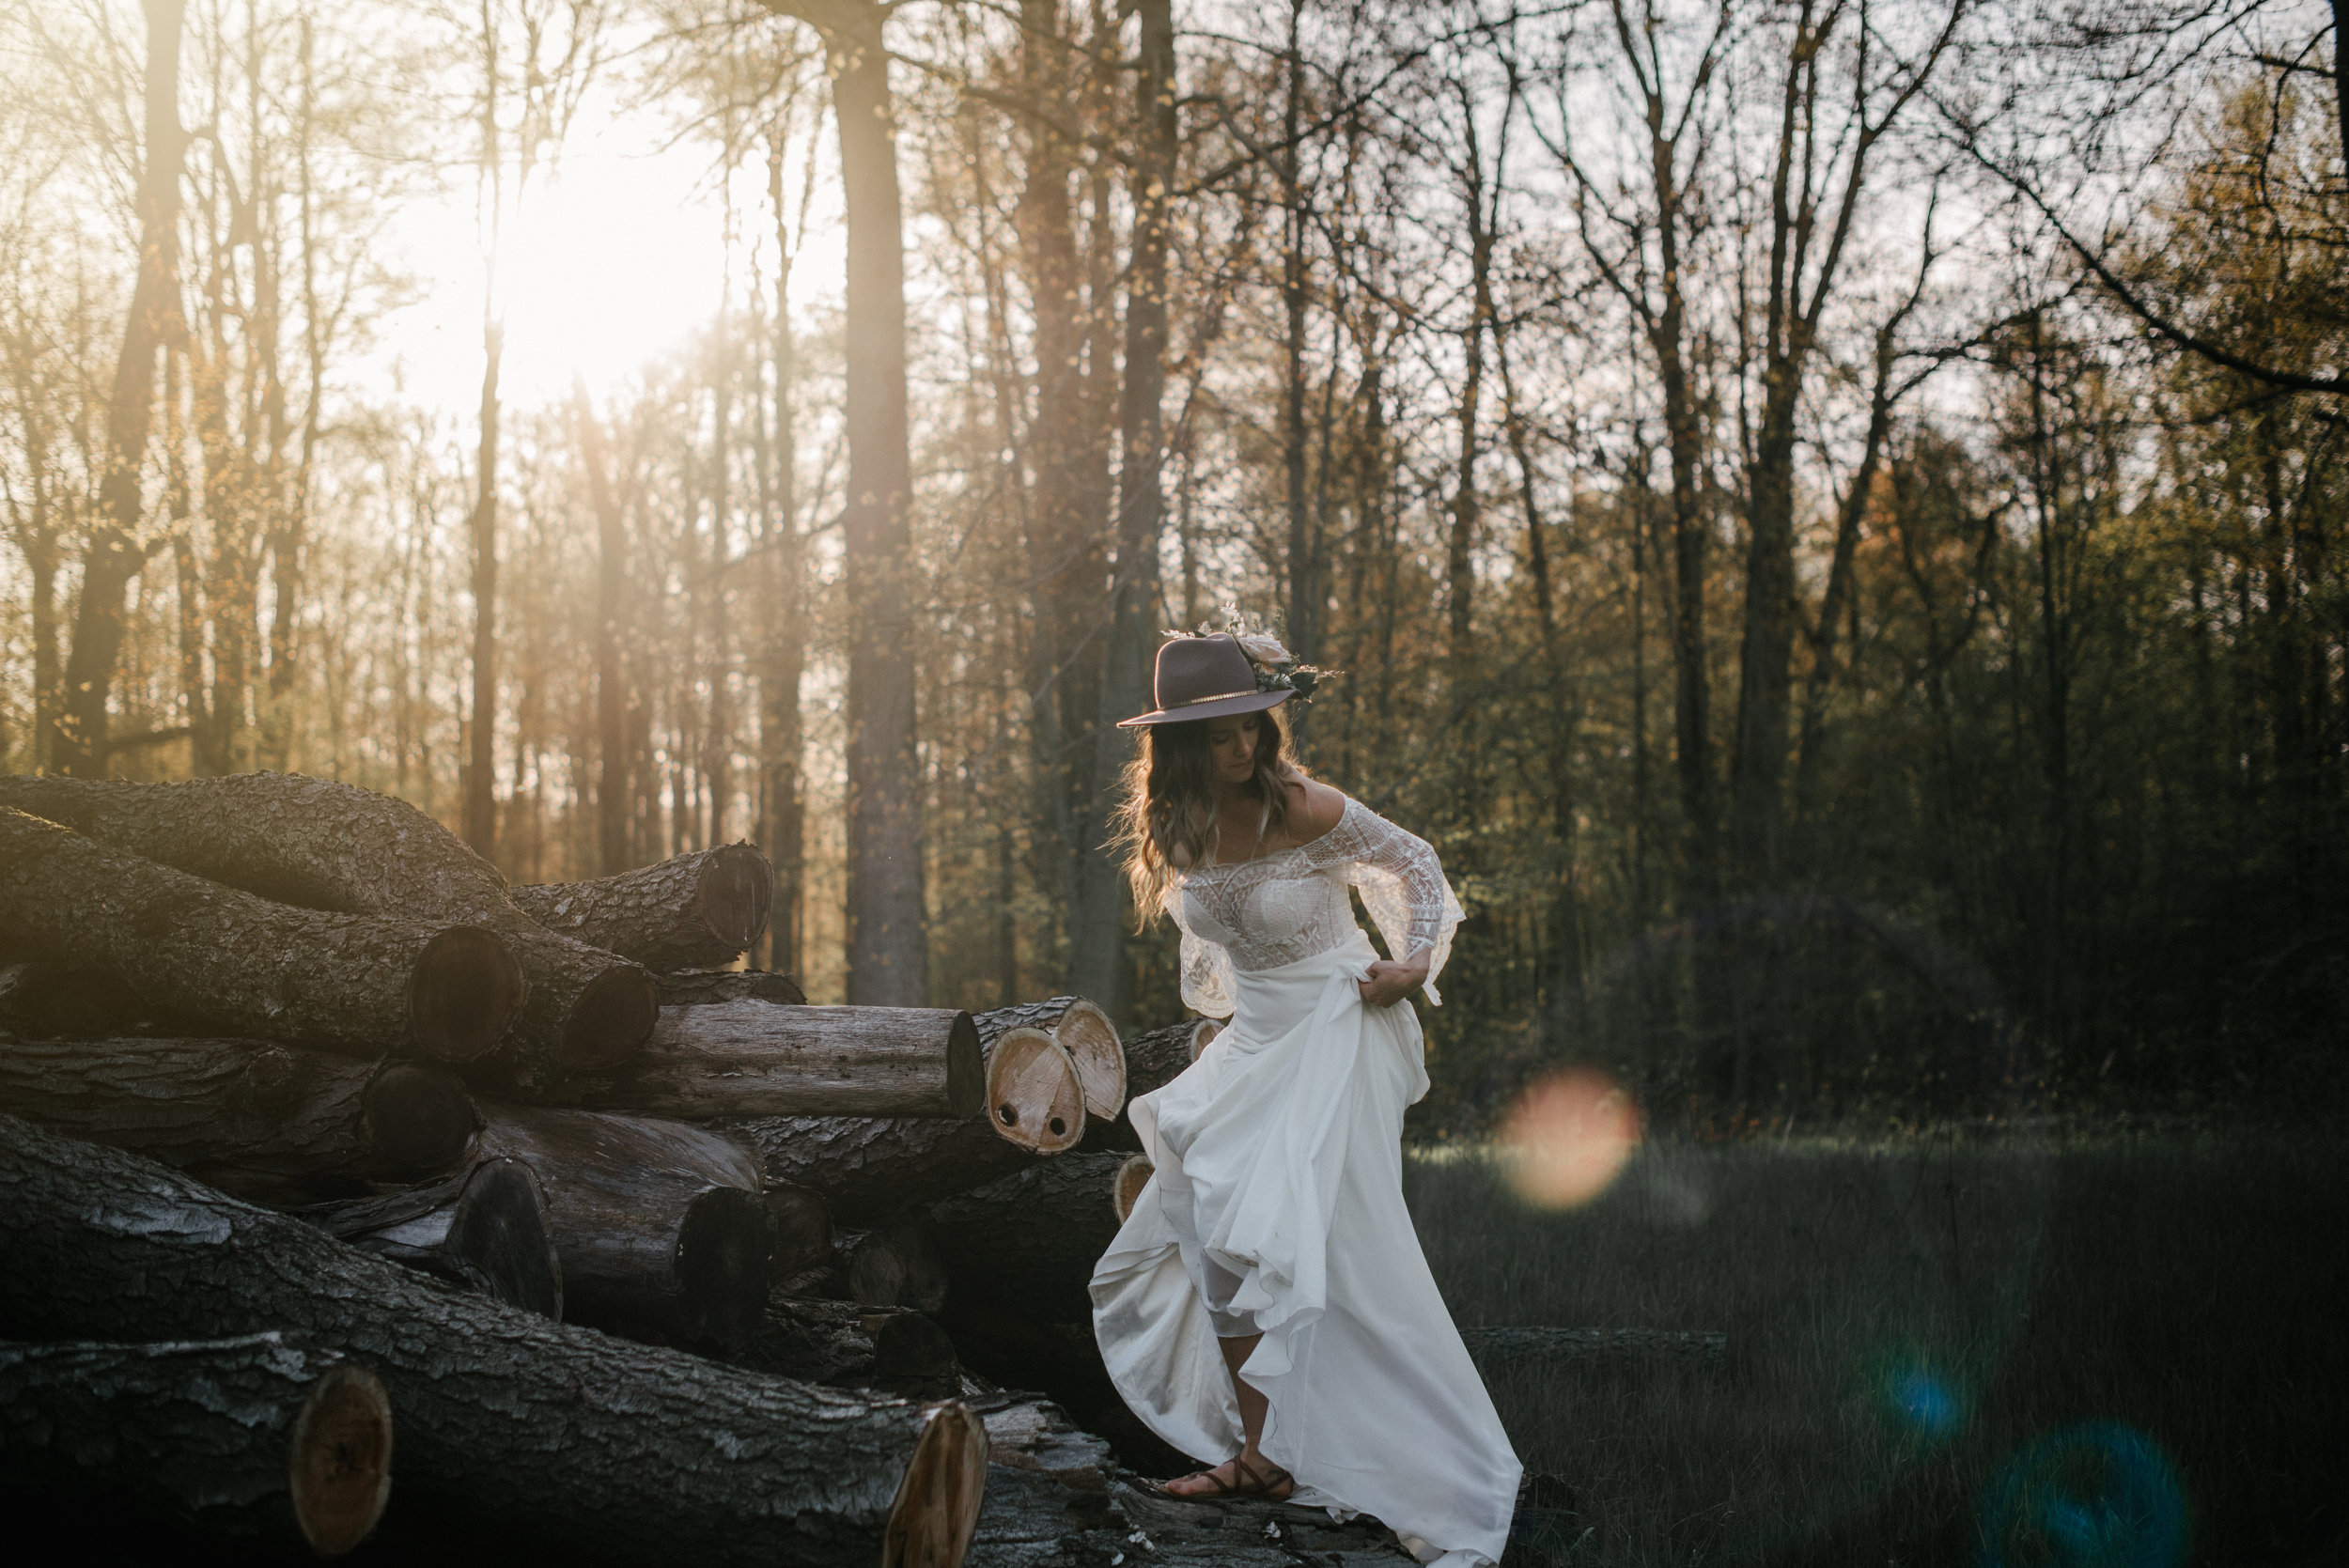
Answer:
(1217, 697)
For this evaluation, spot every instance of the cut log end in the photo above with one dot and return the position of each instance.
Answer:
(612, 1019)
(723, 1250)
(418, 1117)
(500, 1239)
(1085, 1032)
(465, 990)
(1203, 1034)
(966, 1069)
(738, 891)
(1132, 1177)
(340, 1468)
(899, 1267)
(908, 1345)
(935, 1510)
(1034, 1097)
(802, 1229)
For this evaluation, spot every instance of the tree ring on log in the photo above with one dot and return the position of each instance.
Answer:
(722, 1249)
(418, 1117)
(1034, 1097)
(340, 1468)
(1126, 1191)
(738, 892)
(1085, 1032)
(935, 1510)
(466, 988)
(499, 1239)
(615, 1013)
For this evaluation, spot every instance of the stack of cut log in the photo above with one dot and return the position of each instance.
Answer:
(490, 1122)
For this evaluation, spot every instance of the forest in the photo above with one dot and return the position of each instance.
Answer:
(1825, 512)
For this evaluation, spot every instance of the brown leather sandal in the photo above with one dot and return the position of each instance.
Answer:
(1247, 1481)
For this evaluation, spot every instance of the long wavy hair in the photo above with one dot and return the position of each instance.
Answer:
(1166, 820)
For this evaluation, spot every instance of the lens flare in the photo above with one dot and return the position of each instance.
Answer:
(1567, 1137)
(1922, 1398)
(2100, 1495)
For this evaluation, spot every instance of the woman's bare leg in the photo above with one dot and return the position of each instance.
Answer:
(1253, 1406)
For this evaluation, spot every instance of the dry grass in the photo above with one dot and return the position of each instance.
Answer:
(1903, 1318)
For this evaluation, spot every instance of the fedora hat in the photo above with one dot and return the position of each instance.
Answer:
(1204, 677)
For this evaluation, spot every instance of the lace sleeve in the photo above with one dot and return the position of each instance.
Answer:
(1207, 967)
(1402, 884)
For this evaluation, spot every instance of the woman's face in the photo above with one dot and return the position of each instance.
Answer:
(1232, 747)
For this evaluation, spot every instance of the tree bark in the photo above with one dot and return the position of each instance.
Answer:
(612, 754)
(258, 1120)
(1153, 1061)
(701, 987)
(586, 1446)
(888, 944)
(488, 1228)
(692, 911)
(261, 1440)
(327, 846)
(78, 744)
(896, 1267)
(346, 982)
(754, 1058)
(871, 1168)
(1028, 1242)
(661, 1228)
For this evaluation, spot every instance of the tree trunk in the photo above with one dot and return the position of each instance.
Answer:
(780, 740)
(897, 1266)
(888, 945)
(481, 726)
(754, 1058)
(1098, 967)
(1028, 1242)
(870, 1168)
(583, 1445)
(612, 754)
(487, 1229)
(263, 1440)
(661, 1228)
(346, 982)
(695, 911)
(327, 846)
(261, 1121)
(843, 1343)
(1085, 1032)
(79, 744)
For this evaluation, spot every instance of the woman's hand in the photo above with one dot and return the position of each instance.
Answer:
(1391, 982)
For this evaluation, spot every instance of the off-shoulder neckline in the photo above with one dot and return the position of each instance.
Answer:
(1276, 854)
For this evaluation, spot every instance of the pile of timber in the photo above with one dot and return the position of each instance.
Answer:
(314, 1107)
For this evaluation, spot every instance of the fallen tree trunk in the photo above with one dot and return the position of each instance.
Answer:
(751, 1058)
(334, 846)
(1028, 1242)
(870, 1168)
(1153, 1061)
(803, 1230)
(1085, 1032)
(343, 982)
(259, 1439)
(590, 1449)
(690, 911)
(699, 987)
(265, 1122)
(661, 1228)
(485, 1228)
(896, 1268)
(849, 1345)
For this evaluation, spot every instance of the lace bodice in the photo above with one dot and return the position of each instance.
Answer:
(1277, 908)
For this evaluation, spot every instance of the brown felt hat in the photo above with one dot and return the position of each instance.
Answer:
(1204, 678)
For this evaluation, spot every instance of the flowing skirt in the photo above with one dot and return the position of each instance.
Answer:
(1276, 1207)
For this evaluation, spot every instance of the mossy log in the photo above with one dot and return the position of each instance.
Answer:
(259, 1440)
(272, 1123)
(333, 847)
(590, 1449)
(351, 982)
(690, 911)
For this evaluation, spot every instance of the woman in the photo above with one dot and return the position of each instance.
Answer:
(1266, 1305)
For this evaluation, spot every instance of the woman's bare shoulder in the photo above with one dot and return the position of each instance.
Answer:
(1317, 812)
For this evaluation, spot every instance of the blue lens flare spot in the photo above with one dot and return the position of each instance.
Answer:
(2101, 1496)
(1926, 1402)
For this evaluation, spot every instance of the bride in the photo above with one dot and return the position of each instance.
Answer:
(1266, 1304)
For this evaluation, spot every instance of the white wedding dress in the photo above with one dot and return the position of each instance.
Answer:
(1276, 1205)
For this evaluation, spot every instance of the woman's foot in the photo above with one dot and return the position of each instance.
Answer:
(1242, 1477)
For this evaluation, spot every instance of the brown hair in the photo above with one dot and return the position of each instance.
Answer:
(1166, 821)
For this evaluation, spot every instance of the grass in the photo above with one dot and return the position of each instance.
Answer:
(1904, 1319)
